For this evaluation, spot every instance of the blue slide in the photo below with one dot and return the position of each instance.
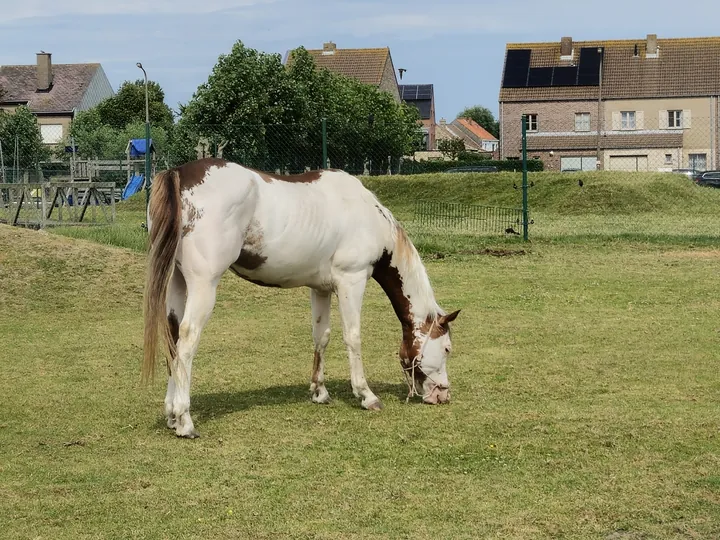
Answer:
(133, 186)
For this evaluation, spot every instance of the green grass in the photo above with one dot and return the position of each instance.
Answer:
(584, 404)
(647, 207)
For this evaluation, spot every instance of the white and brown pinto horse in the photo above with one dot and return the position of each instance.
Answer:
(322, 230)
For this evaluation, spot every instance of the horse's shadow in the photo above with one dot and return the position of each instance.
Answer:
(205, 406)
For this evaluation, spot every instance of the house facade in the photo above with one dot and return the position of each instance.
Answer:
(634, 105)
(422, 97)
(53, 93)
(373, 66)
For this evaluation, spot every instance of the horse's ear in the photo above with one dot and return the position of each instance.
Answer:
(445, 319)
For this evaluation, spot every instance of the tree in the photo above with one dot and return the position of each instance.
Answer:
(484, 117)
(128, 106)
(21, 126)
(452, 147)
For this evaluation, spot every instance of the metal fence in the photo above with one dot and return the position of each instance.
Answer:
(445, 217)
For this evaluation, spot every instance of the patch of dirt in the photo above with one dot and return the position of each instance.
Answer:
(694, 254)
(496, 252)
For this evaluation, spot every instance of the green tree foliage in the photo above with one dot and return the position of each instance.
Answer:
(128, 106)
(268, 116)
(21, 125)
(452, 147)
(484, 117)
(97, 140)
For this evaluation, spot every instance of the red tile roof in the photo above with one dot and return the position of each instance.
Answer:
(476, 129)
(365, 65)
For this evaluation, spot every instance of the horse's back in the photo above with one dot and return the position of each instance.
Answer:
(289, 231)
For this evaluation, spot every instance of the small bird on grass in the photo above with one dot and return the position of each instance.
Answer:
(580, 183)
(510, 230)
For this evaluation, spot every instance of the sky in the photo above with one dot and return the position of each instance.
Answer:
(456, 45)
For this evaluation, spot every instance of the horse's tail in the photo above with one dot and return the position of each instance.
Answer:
(165, 212)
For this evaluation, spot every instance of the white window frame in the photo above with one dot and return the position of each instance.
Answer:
(628, 120)
(56, 138)
(532, 120)
(675, 119)
(582, 121)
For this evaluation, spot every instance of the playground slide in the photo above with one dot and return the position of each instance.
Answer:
(133, 186)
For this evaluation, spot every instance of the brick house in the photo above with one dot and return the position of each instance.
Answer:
(370, 66)
(422, 97)
(656, 101)
(54, 93)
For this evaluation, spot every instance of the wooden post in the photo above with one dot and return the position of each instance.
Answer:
(44, 205)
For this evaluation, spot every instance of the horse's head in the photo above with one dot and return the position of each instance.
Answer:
(424, 361)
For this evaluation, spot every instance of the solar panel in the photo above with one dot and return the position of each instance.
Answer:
(540, 76)
(565, 76)
(517, 66)
(416, 91)
(589, 69)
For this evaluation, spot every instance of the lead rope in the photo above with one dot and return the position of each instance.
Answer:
(410, 380)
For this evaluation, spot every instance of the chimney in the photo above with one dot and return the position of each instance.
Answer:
(329, 48)
(443, 121)
(566, 46)
(44, 71)
(652, 46)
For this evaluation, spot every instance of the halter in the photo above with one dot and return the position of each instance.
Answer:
(410, 379)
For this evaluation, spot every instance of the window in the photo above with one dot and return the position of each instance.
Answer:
(697, 161)
(582, 121)
(532, 122)
(668, 159)
(51, 133)
(674, 119)
(627, 120)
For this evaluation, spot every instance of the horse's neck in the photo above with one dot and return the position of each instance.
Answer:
(403, 277)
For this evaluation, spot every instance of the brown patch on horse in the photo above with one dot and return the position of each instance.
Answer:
(303, 178)
(251, 256)
(388, 277)
(193, 173)
(250, 260)
(193, 214)
(316, 367)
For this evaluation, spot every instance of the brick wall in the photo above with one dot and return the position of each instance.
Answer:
(553, 116)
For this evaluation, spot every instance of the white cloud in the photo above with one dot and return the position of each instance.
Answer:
(31, 9)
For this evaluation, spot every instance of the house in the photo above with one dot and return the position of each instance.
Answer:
(54, 93)
(476, 138)
(636, 104)
(370, 66)
(422, 97)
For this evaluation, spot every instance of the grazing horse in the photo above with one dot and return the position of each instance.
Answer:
(322, 230)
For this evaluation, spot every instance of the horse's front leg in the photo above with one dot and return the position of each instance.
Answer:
(350, 291)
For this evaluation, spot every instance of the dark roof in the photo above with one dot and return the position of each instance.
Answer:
(70, 82)
(684, 67)
(607, 142)
(420, 96)
(365, 65)
(413, 92)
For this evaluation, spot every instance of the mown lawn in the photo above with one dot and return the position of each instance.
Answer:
(585, 404)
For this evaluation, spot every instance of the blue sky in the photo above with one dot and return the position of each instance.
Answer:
(457, 45)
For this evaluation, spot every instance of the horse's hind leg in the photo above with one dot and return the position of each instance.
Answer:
(198, 308)
(175, 313)
(320, 303)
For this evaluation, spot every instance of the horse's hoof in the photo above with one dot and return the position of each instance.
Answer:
(321, 396)
(374, 406)
(190, 435)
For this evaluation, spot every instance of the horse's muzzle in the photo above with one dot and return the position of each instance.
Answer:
(438, 396)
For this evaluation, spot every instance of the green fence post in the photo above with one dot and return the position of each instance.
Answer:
(324, 143)
(524, 178)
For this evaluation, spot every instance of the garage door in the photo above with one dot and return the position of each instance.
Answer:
(628, 163)
(583, 163)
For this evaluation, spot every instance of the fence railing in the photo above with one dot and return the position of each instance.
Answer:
(464, 218)
(45, 204)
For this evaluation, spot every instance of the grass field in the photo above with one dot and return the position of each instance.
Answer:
(585, 399)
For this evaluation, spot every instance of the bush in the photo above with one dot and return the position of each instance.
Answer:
(422, 167)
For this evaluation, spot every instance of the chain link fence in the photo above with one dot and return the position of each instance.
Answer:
(654, 178)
